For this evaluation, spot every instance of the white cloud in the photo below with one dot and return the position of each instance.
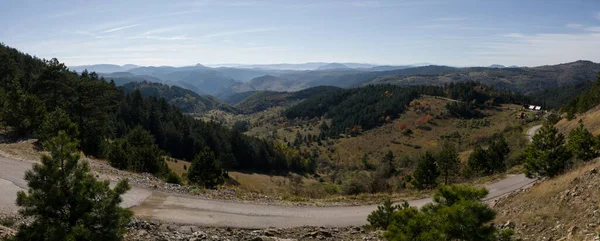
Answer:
(367, 4)
(154, 37)
(120, 28)
(237, 32)
(592, 28)
(514, 35)
(449, 19)
(574, 25)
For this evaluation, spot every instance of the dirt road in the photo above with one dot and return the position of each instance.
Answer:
(11, 181)
(531, 132)
(191, 210)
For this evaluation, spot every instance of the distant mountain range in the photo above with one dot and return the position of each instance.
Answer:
(223, 82)
(521, 79)
(103, 68)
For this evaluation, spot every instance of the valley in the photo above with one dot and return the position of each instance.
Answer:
(305, 120)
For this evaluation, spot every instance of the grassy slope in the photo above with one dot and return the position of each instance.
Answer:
(346, 153)
(376, 142)
(563, 207)
(591, 120)
(557, 206)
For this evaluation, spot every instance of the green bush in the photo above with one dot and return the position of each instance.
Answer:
(383, 216)
(206, 170)
(172, 177)
(356, 183)
(457, 213)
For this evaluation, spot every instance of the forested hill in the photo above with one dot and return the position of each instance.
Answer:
(587, 100)
(41, 97)
(256, 101)
(354, 110)
(523, 80)
(186, 100)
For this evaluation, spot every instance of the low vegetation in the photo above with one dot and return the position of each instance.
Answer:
(457, 213)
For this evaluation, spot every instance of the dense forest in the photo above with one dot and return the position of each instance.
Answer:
(30, 88)
(352, 110)
(186, 100)
(261, 100)
(584, 102)
(556, 98)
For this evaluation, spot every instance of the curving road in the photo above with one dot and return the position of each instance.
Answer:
(192, 210)
(531, 132)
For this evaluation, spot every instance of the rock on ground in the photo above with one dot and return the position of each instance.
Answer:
(156, 231)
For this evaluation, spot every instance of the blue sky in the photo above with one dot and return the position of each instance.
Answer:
(178, 32)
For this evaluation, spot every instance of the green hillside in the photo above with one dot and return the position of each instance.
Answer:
(186, 100)
(261, 100)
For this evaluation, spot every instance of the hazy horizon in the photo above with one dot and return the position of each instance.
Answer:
(186, 32)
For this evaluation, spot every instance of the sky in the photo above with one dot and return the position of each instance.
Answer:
(187, 32)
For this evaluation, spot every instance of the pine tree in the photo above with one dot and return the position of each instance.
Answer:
(546, 155)
(206, 170)
(426, 174)
(448, 162)
(66, 202)
(23, 111)
(137, 152)
(581, 143)
(54, 122)
(389, 160)
(457, 213)
(497, 153)
(479, 161)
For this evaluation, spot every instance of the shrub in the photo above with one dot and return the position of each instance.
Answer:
(355, 184)
(206, 170)
(241, 126)
(172, 177)
(383, 216)
(457, 213)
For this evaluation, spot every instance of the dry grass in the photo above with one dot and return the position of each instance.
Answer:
(24, 150)
(378, 141)
(555, 205)
(591, 120)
